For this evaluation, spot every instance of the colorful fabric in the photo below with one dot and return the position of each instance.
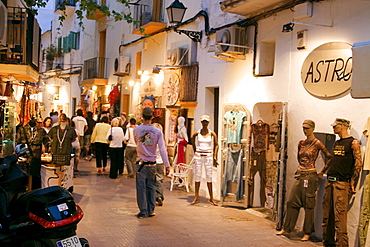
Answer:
(234, 121)
(181, 151)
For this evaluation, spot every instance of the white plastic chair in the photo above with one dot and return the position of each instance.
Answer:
(180, 176)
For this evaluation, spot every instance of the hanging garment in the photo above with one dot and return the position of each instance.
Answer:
(260, 132)
(234, 171)
(258, 164)
(234, 121)
(273, 152)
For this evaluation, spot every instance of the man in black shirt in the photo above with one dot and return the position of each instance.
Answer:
(343, 172)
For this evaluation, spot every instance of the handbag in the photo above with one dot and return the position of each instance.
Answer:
(110, 137)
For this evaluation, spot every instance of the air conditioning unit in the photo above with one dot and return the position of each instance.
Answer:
(3, 23)
(122, 66)
(236, 37)
(178, 56)
(145, 18)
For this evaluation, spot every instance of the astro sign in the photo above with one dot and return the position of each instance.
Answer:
(327, 70)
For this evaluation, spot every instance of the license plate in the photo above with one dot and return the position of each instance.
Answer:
(73, 241)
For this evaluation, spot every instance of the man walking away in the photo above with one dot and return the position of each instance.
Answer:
(147, 138)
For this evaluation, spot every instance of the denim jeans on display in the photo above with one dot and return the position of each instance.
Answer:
(233, 173)
(145, 189)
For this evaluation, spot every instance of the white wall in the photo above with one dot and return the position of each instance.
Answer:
(237, 84)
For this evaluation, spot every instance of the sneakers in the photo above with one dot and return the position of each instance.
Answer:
(160, 201)
(139, 216)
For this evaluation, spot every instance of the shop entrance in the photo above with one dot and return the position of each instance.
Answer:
(254, 160)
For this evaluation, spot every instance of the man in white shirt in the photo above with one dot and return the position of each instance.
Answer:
(81, 125)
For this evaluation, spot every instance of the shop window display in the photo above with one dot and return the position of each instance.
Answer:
(7, 127)
(235, 147)
(263, 172)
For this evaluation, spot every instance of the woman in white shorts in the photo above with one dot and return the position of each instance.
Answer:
(205, 146)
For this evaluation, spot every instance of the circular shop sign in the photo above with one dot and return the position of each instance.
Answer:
(327, 70)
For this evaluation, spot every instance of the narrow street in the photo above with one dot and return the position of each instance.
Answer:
(110, 207)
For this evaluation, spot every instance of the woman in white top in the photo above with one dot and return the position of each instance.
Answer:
(130, 154)
(115, 147)
(205, 146)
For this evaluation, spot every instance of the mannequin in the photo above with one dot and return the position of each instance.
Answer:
(34, 136)
(304, 188)
(182, 141)
(205, 146)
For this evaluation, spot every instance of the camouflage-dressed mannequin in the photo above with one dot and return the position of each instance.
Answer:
(34, 136)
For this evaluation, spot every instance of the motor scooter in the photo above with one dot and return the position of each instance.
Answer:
(38, 218)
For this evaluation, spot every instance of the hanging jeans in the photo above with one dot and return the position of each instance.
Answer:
(258, 164)
(233, 172)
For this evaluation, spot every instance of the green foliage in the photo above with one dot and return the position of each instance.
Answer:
(88, 7)
(51, 52)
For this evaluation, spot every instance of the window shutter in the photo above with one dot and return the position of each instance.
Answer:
(65, 44)
(60, 46)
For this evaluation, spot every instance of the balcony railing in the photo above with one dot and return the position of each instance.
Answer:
(23, 39)
(95, 68)
(141, 15)
(59, 4)
(148, 16)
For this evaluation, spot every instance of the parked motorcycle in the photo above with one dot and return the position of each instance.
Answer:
(39, 218)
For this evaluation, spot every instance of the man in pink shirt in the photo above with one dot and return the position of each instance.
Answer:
(147, 138)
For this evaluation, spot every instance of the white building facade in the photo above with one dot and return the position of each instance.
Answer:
(279, 78)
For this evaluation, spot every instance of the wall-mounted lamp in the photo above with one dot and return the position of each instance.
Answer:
(131, 83)
(176, 12)
(156, 70)
(289, 26)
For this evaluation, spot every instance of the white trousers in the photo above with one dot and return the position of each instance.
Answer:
(201, 160)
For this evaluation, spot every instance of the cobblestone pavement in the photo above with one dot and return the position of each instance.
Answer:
(110, 207)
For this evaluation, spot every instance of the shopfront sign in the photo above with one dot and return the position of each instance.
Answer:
(150, 87)
(327, 70)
